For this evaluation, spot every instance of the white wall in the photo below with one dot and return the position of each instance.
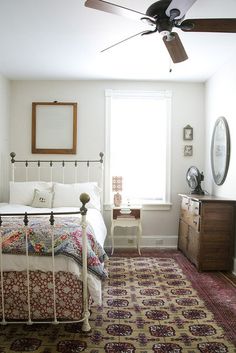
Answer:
(187, 108)
(220, 101)
(4, 136)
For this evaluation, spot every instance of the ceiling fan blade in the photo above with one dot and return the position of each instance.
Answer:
(115, 9)
(175, 47)
(225, 25)
(182, 5)
(124, 40)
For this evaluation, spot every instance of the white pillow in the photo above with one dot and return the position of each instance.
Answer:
(67, 195)
(42, 199)
(23, 192)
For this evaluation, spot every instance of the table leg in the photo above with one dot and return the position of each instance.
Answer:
(139, 238)
(112, 240)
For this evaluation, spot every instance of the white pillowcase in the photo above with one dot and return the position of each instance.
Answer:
(23, 192)
(68, 195)
(42, 199)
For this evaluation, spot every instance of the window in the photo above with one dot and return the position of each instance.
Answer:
(137, 145)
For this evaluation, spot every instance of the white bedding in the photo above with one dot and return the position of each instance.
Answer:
(62, 263)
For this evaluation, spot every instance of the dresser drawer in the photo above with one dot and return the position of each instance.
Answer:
(190, 212)
(194, 215)
(194, 208)
(184, 210)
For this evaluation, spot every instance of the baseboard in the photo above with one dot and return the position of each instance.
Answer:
(147, 241)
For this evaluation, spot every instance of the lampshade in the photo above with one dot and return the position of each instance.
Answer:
(117, 183)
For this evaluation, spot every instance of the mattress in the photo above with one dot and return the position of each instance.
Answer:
(62, 263)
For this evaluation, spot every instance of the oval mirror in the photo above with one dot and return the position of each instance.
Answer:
(220, 150)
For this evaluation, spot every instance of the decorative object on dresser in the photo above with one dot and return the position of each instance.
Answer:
(188, 132)
(206, 231)
(194, 179)
(220, 150)
(54, 127)
(117, 187)
(126, 217)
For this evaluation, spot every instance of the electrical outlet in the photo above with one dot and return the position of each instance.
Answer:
(130, 241)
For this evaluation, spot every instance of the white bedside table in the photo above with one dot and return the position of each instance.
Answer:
(126, 217)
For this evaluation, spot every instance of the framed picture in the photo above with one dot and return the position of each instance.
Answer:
(188, 150)
(54, 127)
(188, 133)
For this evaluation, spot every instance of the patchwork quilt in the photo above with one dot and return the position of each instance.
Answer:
(67, 233)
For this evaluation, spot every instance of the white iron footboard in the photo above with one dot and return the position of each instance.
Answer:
(84, 198)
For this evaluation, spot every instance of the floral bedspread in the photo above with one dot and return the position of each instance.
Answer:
(67, 240)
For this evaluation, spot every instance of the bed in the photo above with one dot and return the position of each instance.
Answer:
(52, 246)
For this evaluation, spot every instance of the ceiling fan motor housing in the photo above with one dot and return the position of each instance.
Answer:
(164, 23)
(158, 9)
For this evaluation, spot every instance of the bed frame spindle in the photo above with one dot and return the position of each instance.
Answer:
(2, 287)
(52, 220)
(76, 172)
(39, 170)
(26, 229)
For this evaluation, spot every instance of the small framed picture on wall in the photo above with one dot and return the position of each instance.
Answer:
(188, 133)
(188, 150)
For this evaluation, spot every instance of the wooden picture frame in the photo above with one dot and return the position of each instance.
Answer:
(188, 132)
(54, 127)
(188, 150)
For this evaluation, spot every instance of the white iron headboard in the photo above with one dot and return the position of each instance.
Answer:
(80, 170)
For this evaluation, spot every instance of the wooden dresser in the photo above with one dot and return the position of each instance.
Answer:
(206, 231)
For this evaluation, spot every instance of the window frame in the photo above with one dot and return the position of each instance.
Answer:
(160, 94)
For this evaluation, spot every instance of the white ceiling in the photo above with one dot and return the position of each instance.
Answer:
(62, 39)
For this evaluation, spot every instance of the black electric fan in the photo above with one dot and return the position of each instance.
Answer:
(194, 179)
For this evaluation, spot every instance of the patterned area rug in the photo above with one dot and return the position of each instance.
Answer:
(157, 302)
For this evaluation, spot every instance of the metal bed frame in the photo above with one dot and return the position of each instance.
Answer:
(84, 198)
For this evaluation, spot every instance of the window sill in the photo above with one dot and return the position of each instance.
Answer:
(146, 207)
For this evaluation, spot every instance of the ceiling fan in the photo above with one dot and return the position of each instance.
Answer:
(163, 16)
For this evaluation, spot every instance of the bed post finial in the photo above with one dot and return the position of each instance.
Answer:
(84, 198)
(52, 219)
(12, 155)
(101, 154)
(26, 219)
